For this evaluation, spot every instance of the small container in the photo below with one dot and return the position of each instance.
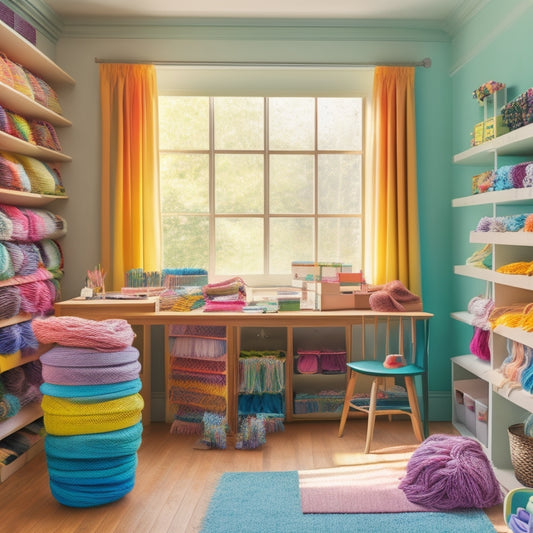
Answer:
(470, 413)
(482, 421)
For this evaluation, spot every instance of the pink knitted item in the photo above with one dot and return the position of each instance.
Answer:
(102, 335)
(451, 472)
(382, 301)
(394, 297)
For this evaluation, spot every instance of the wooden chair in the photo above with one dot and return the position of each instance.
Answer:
(405, 334)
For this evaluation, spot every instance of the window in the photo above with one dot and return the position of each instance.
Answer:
(250, 184)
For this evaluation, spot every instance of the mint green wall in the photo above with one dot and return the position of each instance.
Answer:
(493, 46)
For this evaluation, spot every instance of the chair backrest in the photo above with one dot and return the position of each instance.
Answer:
(380, 335)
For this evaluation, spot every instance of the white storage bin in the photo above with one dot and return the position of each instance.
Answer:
(459, 406)
(482, 420)
(470, 413)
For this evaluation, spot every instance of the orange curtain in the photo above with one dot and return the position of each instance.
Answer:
(130, 218)
(396, 247)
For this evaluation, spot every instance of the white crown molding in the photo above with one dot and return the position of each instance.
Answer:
(253, 29)
(503, 24)
(464, 12)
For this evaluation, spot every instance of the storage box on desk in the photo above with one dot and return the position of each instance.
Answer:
(321, 271)
(288, 300)
(172, 281)
(332, 299)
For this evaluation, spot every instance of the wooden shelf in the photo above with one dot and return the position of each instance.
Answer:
(508, 238)
(17, 102)
(8, 143)
(508, 196)
(27, 199)
(511, 280)
(25, 416)
(463, 316)
(22, 51)
(518, 142)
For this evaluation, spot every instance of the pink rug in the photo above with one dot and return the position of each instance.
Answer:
(371, 488)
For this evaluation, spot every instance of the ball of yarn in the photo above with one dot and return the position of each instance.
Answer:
(102, 335)
(528, 224)
(450, 472)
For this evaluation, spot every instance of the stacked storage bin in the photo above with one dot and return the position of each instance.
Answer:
(92, 408)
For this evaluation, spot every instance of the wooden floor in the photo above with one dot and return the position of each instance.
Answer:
(174, 481)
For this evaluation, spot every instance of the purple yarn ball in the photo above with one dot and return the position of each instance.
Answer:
(451, 472)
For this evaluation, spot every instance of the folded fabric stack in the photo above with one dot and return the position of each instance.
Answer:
(92, 408)
(228, 295)
(197, 383)
(261, 400)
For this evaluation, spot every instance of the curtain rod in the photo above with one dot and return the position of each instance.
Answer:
(426, 63)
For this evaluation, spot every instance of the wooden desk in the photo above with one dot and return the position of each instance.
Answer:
(144, 313)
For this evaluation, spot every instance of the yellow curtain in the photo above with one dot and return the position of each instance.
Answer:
(396, 247)
(130, 218)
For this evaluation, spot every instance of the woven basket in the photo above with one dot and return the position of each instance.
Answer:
(521, 454)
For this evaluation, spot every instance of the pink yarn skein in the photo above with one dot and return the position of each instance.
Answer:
(450, 472)
(101, 335)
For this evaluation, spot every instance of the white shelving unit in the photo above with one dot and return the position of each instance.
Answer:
(506, 406)
(18, 49)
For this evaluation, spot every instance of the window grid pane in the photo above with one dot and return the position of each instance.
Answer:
(274, 200)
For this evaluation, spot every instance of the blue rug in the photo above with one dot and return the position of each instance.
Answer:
(269, 502)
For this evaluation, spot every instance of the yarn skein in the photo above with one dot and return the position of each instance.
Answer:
(101, 335)
(450, 472)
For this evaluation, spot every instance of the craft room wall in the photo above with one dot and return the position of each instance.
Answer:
(492, 46)
(74, 45)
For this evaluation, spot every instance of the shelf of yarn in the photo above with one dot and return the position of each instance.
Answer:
(8, 143)
(508, 238)
(519, 281)
(34, 444)
(27, 199)
(27, 414)
(508, 196)
(22, 51)
(518, 142)
(20, 103)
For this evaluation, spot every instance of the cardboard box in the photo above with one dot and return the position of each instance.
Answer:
(478, 133)
(493, 127)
